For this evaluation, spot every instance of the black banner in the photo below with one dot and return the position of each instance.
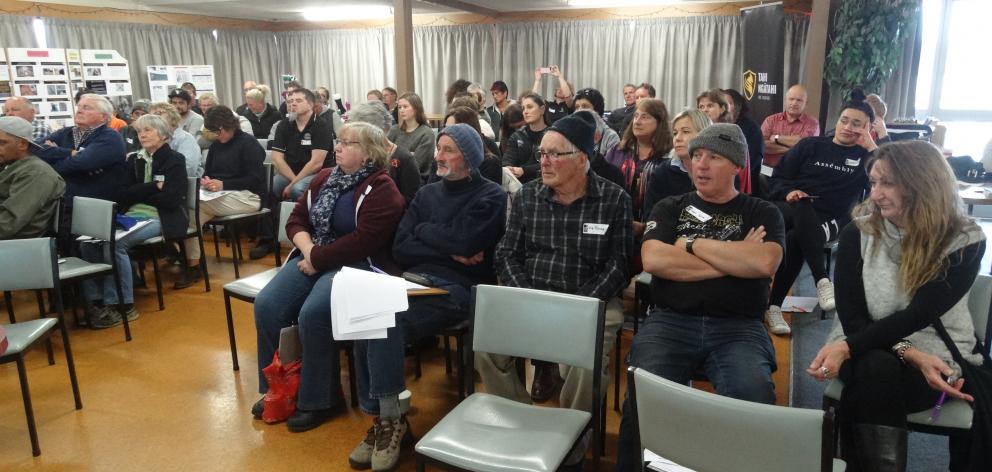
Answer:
(764, 59)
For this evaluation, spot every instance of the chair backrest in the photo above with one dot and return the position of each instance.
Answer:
(192, 192)
(979, 302)
(549, 326)
(93, 217)
(264, 143)
(31, 264)
(285, 209)
(705, 431)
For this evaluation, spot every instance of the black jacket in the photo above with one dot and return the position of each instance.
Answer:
(238, 163)
(261, 126)
(170, 201)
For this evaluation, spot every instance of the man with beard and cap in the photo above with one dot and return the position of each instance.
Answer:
(711, 254)
(29, 188)
(447, 236)
(569, 232)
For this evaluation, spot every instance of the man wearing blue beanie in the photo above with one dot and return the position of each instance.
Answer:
(447, 236)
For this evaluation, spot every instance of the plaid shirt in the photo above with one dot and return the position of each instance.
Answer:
(581, 249)
(40, 129)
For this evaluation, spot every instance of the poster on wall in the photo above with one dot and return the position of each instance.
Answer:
(5, 91)
(41, 76)
(165, 79)
(764, 59)
(106, 72)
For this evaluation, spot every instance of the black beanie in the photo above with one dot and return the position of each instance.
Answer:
(580, 130)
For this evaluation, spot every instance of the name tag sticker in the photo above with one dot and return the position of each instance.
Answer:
(130, 140)
(159, 178)
(304, 142)
(698, 214)
(595, 228)
(766, 171)
(852, 162)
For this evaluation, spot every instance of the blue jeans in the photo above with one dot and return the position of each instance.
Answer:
(100, 252)
(735, 354)
(379, 362)
(293, 297)
(279, 184)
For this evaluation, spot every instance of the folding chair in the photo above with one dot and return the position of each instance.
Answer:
(489, 433)
(705, 431)
(37, 268)
(94, 218)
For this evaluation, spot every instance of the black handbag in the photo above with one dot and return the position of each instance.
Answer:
(978, 384)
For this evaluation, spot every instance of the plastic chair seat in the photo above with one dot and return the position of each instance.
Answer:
(23, 334)
(643, 278)
(160, 239)
(954, 414)
(249, 287)
(490, 433)
(240, 216)
(74, 267)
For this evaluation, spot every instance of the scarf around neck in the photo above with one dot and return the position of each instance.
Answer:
(323, 209)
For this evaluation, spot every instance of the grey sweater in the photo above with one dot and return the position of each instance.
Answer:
(420, 142)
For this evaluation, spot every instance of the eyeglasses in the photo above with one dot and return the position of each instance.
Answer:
(555, 156)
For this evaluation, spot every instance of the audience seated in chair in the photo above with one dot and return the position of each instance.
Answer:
(235, 166)
(29, 188)
(156, 194)
(783, 130)
(711, 254)
(402, 166)
(592, 100)
(130, 135)
(619, 117)
(299, 150)
(207, 101)
(501, 101)
(181, 142)
(569, 232)
(22, 107)
(491, 167)
(413, 133)
(447, 236)
(908, 259)
(521, 155)
(346, 218)
(261, 114)
(189, 120)
(672, 177)
(815, 186)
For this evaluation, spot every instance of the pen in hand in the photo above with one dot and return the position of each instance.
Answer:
(935, 413)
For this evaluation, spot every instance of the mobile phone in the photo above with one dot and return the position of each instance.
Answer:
(417, 279)
(809, 197)
(545, 70)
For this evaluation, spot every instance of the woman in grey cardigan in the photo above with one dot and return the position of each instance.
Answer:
(413, 133)
(916, 252)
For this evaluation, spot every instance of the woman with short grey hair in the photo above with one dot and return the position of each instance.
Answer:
(402, 166)
(155, 199)
(181, 141)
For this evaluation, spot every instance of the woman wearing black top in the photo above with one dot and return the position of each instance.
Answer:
(738, 111)
(521, 149)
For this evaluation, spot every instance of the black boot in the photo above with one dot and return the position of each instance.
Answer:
(881, 448)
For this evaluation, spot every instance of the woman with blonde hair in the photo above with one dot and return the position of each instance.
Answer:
(346, 218)
(913, 249)
(413, 133)
(672, 177)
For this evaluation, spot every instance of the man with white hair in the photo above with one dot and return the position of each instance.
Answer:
(89, 155)
(20, 106)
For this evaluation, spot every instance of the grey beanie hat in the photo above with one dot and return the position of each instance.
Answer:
(725, 139)
(468, 141)
(142, 105)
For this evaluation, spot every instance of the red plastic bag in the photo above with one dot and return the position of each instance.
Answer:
(284, 383)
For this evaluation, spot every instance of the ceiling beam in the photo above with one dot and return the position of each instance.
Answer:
(464, 6)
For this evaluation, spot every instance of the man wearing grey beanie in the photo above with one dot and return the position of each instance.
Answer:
(711, 254)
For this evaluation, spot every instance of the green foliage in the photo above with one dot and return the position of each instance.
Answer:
(867, 42)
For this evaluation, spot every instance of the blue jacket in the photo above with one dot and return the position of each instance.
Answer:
(452, 218)
(97, 170)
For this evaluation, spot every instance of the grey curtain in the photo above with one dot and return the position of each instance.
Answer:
(244, 55)
(452, 52)
(899, 92)
(16, 32)
(796, 30)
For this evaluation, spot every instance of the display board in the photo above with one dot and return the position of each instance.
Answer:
(164, 79)
(75, 60)
(106, 72)
(41, 76)
(5, 91)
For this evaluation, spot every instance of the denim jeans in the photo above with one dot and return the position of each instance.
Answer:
(293, 297)
(379, 362)
(735, 354)
(104, 287)
(279, 184)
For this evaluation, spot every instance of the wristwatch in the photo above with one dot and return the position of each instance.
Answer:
(775, 139)
(688, 244)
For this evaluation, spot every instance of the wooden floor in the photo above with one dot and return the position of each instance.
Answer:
(169, 400)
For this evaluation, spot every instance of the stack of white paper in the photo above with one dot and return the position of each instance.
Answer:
(364, 304)
(660, 464)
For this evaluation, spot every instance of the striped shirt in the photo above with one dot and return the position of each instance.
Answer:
(582, 248)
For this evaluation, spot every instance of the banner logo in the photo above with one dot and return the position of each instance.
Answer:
(750, 81)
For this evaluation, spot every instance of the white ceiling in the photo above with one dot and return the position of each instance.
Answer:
(289, 10)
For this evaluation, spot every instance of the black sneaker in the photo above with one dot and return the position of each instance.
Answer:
(262, 249)
(107, 318)
(258, 408)
(190, 277)
(305, 420)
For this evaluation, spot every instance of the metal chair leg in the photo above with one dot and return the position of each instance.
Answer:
(8, 299)
(230, 331)
(158, 279)
(28, 410)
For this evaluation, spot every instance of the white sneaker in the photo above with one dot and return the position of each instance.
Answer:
(825, 294)
(776, 324)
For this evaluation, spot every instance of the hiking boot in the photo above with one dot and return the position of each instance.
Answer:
(109, 317)
(262, 249)
(390, 435)
(776, 324)
(191, 276)
(825, 294)
(361, 457)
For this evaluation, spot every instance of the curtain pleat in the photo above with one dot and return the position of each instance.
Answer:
(16, 32)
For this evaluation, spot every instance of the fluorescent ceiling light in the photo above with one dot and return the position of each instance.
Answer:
(347, 12)
(619, 3)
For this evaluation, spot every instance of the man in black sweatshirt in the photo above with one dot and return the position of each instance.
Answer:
(815, 186)
(447, 236)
